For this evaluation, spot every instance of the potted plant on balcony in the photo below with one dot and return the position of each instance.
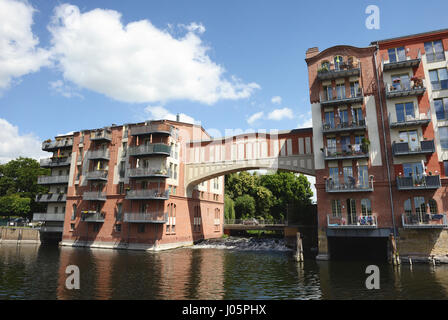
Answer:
(365, 143)
(323, 69)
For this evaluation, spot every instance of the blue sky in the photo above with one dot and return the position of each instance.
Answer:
(249, 52)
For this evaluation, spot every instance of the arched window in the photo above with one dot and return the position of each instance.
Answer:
(325, 65)
(338, 61)
(75, 207)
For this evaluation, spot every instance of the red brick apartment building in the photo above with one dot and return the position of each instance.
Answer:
(123, 187)
(380, 135)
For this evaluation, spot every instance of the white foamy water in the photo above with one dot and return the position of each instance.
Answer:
(248, 244)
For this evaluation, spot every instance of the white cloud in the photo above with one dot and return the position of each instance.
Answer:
(276, 100)
(138, 62)
(19, 54)
(160, 113)
(306, 120)
(280, 114)
(14, 145)
(255, 117)
(64, 89)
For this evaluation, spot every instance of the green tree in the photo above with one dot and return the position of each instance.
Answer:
(14, 205)
(229, 208)
(244, 207)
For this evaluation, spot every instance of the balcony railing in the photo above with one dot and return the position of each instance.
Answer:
(342, 71)
(57, 144)
(145, 150)
(353, 222)
(92, 216)
(101, 135)
(404, 149)
(355, 151)
(423, 221)
(99, 154)
(147, 217)
(148, 172)
(55, 162)
(152, 129)
(51, 197)
(435, 56)
(405, 88)
(408, 62)
(94, 196)
(145, 194)
(51, 229)
(344, 126)
(97, 175)
(354, 97)
(418, 182)
(409, 120)
(48, 217)
(52, 179)
(350, 186)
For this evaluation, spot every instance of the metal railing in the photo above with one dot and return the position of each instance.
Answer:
(51, 197)
(55, 162)
(355, 96)
(101, 135)
(343, 69)
(94, 195)
(408, 62)
(52, 179)
(343, 126)
(418, 182)
(155, 148)
(93, 216)
(352, 222)
(419, 118)
(48, 217)
(56, 144)
(255, 222)
(152, 128)
(351, 186)
(146, 217)
(405, 88)
(97, 175)
(347, 152)
(403, 148)
(148, 194)
(424, 220)
(148, 172)
(99, 154)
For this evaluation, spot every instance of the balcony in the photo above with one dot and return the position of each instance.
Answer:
(92, 216)
(418, 183)
(435, 56)
(52, 180)
(356, 151)
(48, 217)
(400, 64)
(145, 194)
(355, 97)
(51, 229)
(423, 221)
(148, 173)
(94, 196)
(51, 197)
(417, 120)
(344, 126)
(57, 144)
(403, 148)
(351, 186)
(151, 149)
(97, 175)
(55, 162)
(99, 155)
(100, 136)
(152, 129)
(152, 217)
(356, 222)
(343, 71)
(405, 89)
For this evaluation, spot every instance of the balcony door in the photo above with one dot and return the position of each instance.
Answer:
(405, 111)
(411, 138)
(351, 212)
(363, 176)
(420, 208)
(345, 143)
(343, 117)
(401, 82)
(357, 116)
(414, 170)
(329, 119)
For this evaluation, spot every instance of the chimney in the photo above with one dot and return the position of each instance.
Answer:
(178, 117)
(311, 52)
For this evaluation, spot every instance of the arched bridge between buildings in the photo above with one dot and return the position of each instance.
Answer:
(290, 150)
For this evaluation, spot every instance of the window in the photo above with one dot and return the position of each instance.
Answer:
(340, 91)
(407, 207)
(445, 167)
(118, 228)
(439, 79)
(411, 138)
(74, 212)
(348, 175)
(420, 206)
(441, 106)
(363, 176)
(328, 91)
(443, 134)
(405, 111)
(326, 65)
(334, 175)
(366, 207)
(197, 219)
(345, 144)
(434, 51)
(171, 223)
(401, 82)
(397, 54)
(329, 119)
(119, 211)
(121, 188)
(336, 208)
(331, 145)
(343, 116)
(355, 91)
(357, 116)
(432, 204)
(72, 227)
(359, 138)
(338, 61)
(351, 211)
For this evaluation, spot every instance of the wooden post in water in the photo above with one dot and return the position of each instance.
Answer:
(299, 250)
(395, 257)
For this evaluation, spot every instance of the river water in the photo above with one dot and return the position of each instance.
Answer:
(234, 269)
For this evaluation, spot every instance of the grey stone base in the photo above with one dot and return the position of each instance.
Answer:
(125, 246)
